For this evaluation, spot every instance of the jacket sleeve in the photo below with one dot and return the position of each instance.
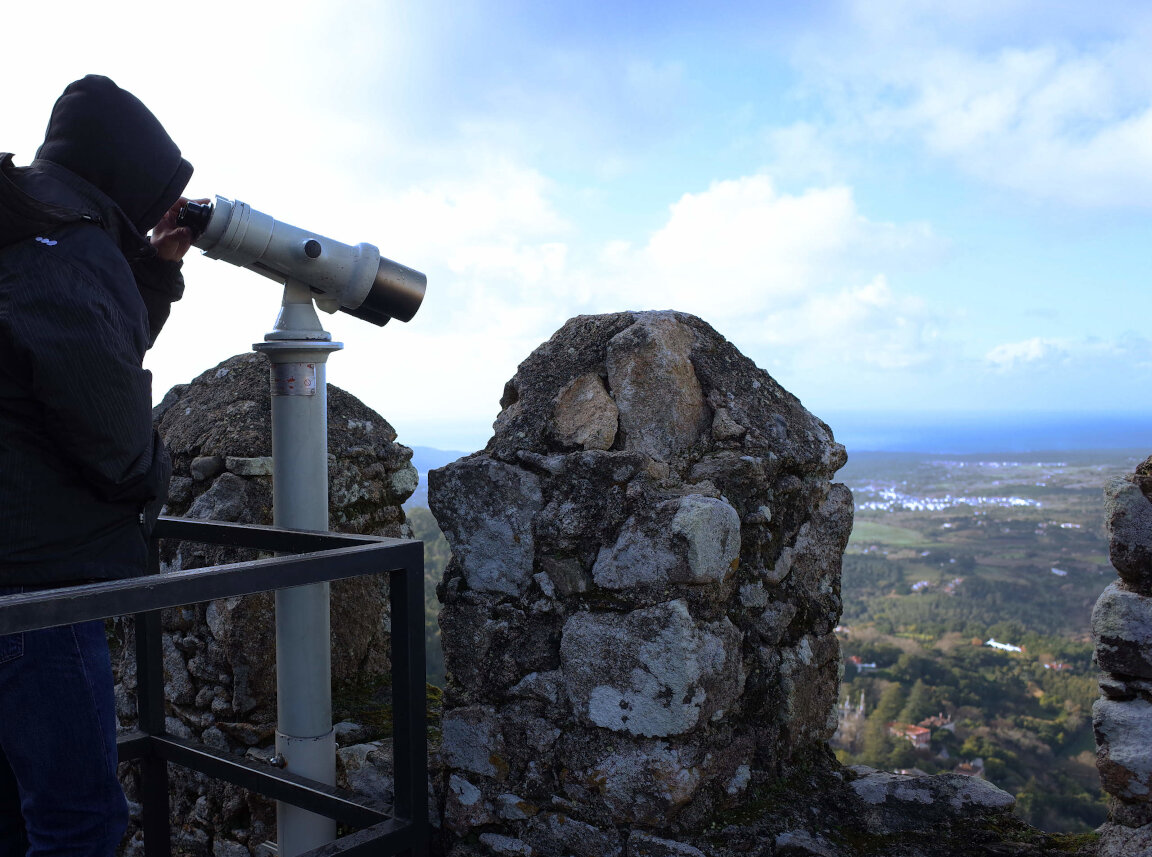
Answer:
(160, 284)
(82, 356)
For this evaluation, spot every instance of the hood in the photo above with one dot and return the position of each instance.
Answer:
(106, 135)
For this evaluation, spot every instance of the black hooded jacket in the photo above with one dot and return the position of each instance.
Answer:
(82, 297)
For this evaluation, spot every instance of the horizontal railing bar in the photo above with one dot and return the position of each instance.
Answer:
(397, 836)
(273, 783)
(257, 536)
(47, 608)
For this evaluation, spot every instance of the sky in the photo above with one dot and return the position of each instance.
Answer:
(893, 206)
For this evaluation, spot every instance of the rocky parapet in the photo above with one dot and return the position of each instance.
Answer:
(638, 615)
(219, 657)
(1122, 630)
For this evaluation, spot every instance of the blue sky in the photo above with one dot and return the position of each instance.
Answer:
(892, 205)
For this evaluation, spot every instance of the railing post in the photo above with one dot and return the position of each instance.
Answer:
(409, 728)
(150, 712)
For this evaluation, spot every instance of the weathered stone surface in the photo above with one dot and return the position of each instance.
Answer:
(472, 741)
(654, 672)
(559, 833)
(465, 807)
(260, 466)
(801, 843)
(637, 619)
(645, 845)
(693, 539)
(1118, 840)
(1122, 628)
(491, 532)
(585, 414)
(661, 403)
(647, 783)
(1128, 516)
(907, 802)
(367, 770)
(506, 846)
(1123, 738)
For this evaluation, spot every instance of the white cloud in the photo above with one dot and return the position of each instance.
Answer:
(1034, 351)
(1050, 113)
(797, 278)
(1119, 356)
(741, 248)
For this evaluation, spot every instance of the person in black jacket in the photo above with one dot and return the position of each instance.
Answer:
(83, 295)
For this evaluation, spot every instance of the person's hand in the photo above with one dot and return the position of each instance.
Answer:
(172, 241)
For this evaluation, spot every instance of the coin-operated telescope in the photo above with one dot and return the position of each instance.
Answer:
(313, 270)
(356, 280)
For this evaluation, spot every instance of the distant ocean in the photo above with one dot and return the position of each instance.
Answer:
(974, 433)
(952, 434)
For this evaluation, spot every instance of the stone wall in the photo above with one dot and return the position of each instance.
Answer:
(219, 657)
(637, 619)
(1122, 629)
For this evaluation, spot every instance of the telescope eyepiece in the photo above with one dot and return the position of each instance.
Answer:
(195, 215)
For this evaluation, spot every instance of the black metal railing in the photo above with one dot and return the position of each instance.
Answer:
(314, 558)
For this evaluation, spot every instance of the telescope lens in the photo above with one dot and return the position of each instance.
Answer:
(195, 216)
(397, 291)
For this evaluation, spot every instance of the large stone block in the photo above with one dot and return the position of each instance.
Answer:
(1123, 738)
(652, 672)
(1128, 517)
(692, 539)
(661, 403)
(486, 508)
(647, 783)
(585, 415)
(1122, 628)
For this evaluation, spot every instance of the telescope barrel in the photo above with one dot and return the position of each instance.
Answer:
(357, 280)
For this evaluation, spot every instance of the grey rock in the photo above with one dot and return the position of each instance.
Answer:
(465, 807)
(367, 770)
(1118, 840)
(546, 686)
(1128, 516)
(471, 740)
(693, 539)
(653, 672)
(253, 466)
(506, 846)
(1122, 628)
(801, 843)
(1125, 688)
(1123, 736)
(227, 848)
(773, 622)
(647, 783)
(726, 428)
(486, 510)
(642, 844)
(205, 467)
(177, 681)
(512, 807)
(225, 500)
(959, 792)
(619, 650)
(559, 833)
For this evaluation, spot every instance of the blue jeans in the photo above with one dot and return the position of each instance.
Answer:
(59, 794)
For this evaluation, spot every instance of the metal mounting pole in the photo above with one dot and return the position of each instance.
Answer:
(298, 348)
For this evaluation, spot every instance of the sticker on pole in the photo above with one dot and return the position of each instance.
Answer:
(293, 379)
